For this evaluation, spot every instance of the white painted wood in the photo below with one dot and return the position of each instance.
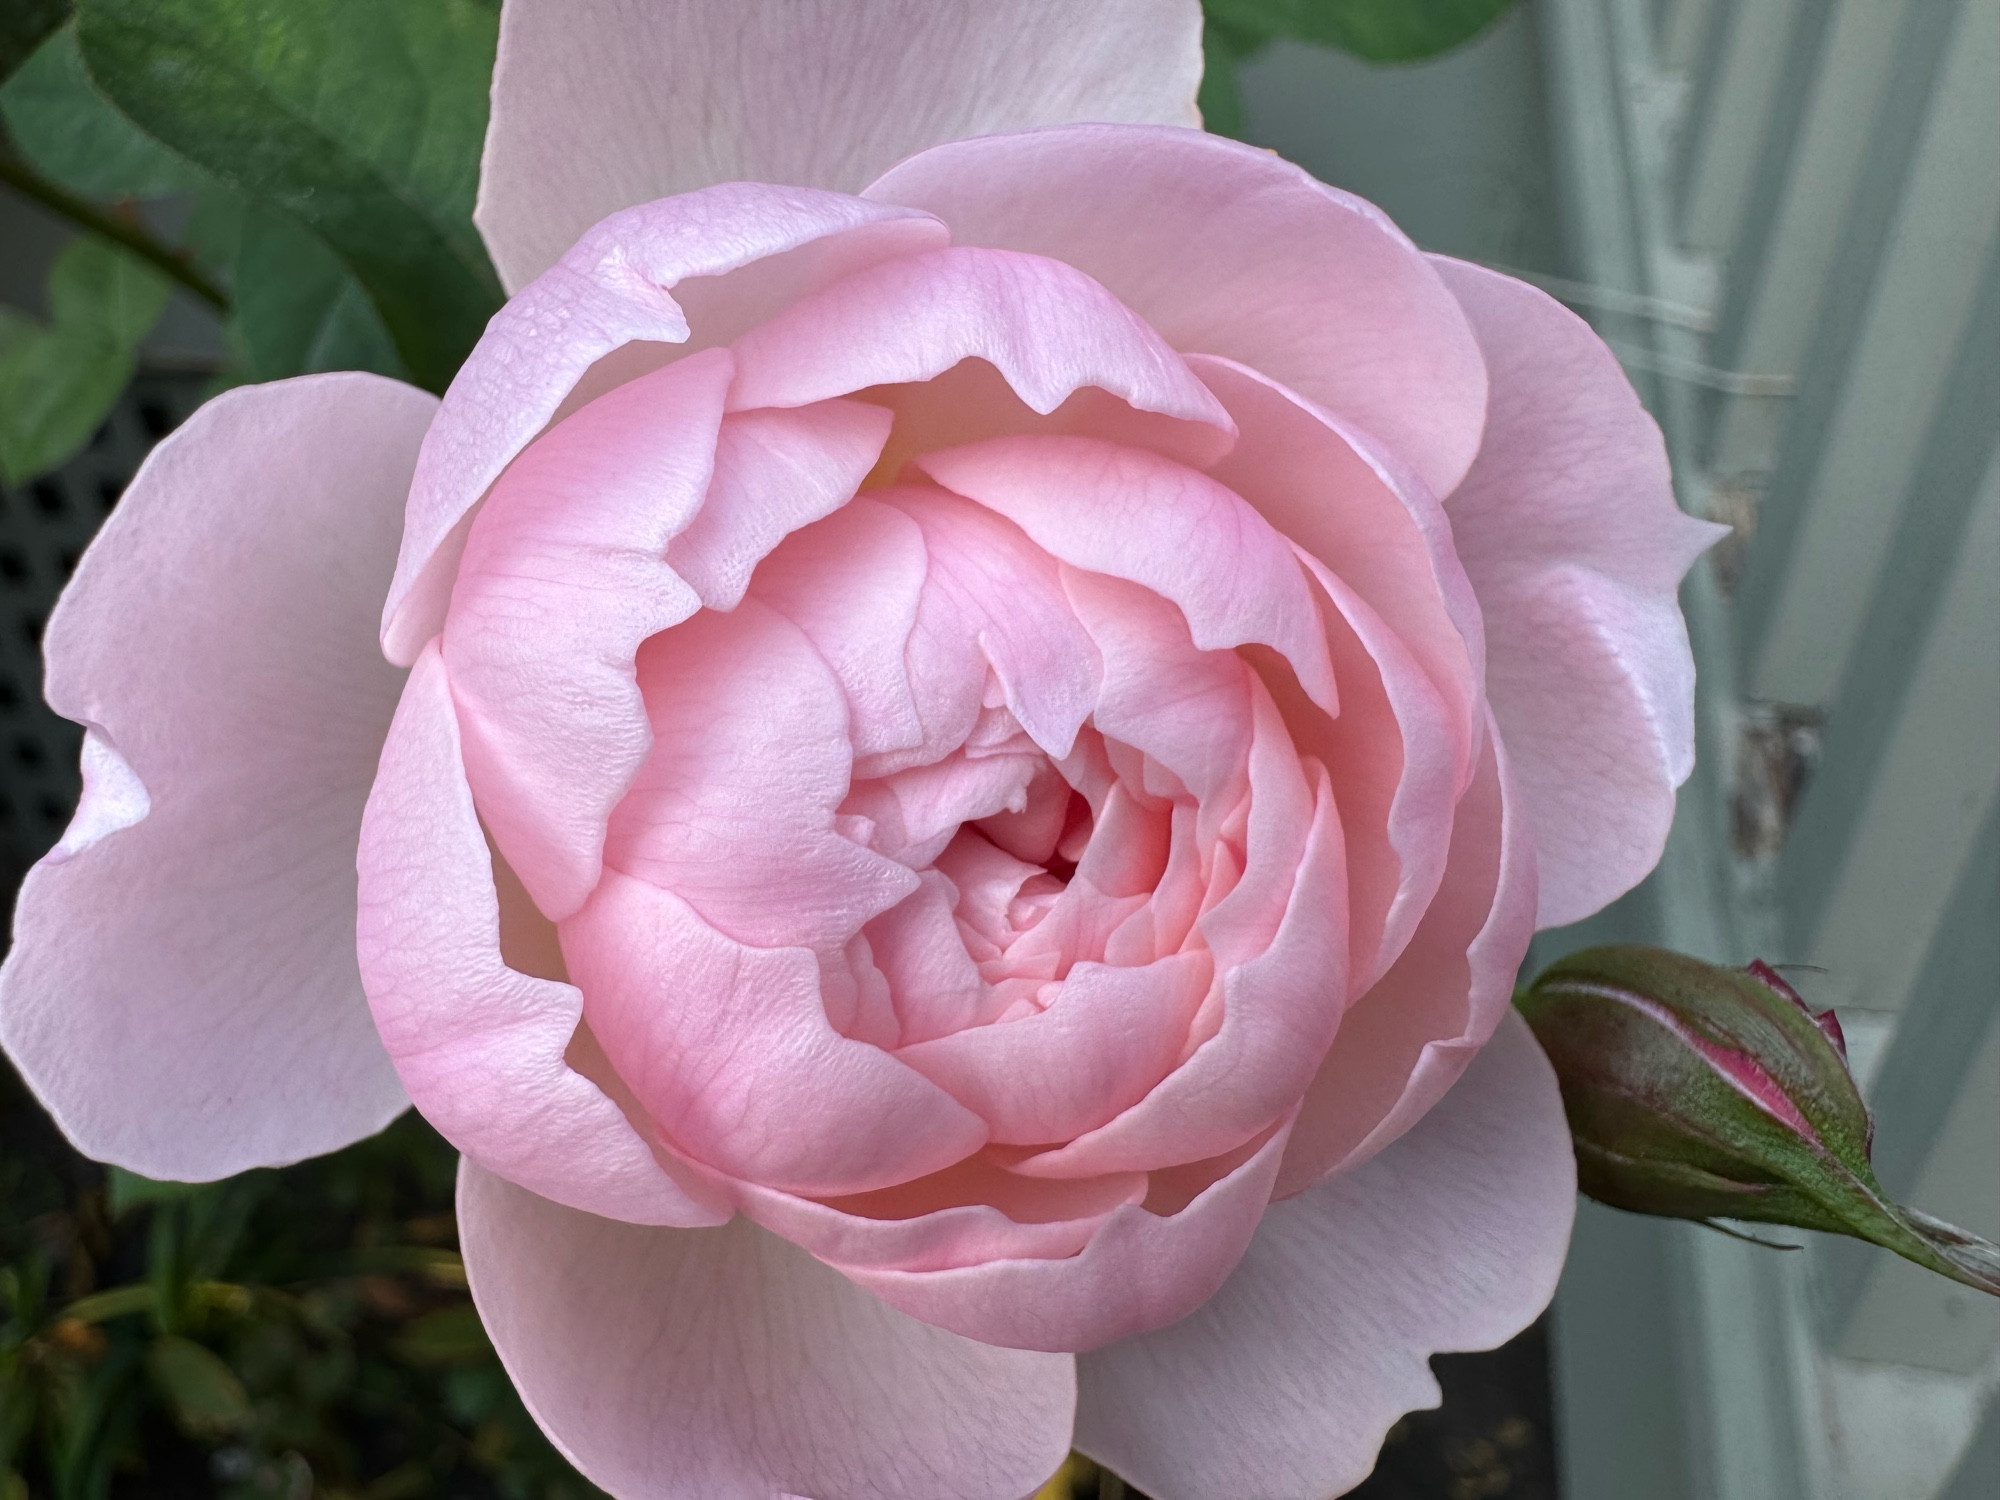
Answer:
(1939, 776)
(1905, 1315)
(1787, 285)
(1725, 144)
(1948, 219)
(1683, 28)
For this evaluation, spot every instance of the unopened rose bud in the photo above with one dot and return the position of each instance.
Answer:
(1701, 1092)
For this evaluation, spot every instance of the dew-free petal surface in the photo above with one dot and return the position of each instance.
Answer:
(1283, 1384)
(1047, 327)
(650, 284)
(182, 992)
(564, 575)
(1143, 1268)
(601, 104)
(481, 1046)
(725, 1364)
(1405, 1041)
(1570, 535)
(1226, 249)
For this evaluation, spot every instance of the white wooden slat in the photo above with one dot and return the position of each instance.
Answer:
(1948, 218)
(1911, 1316)
(1726, 140)
(1939, 775)
(1683, 28)
(1783, 300)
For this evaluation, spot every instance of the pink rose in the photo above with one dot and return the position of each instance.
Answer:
(1002, 737)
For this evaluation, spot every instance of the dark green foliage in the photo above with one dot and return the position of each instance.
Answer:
(23, 25)
(1382, 31)
(278, 1335)
(361, 120)
(1379, 30)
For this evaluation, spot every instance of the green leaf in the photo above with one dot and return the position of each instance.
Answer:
(1379, 30)
(73, 136)
(1221, 102)
(361, 119)
(204, 1394)
(299, 310)
(23, 25)
(128, 1190)
(450, 1336)
(117, 1302)
(59, 380)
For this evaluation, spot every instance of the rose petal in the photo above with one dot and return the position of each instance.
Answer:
(1374, 526)
(1569, 532)
(1134, 515)
(481, 1046)
(1226, 249)
(972, 1212)
(598, 105)
(1047, 327)
(1285, 1381)
(727, 1364)
(734, 809)
(729, 1049)
(643, 288)
(182, 992)
(775, 472)
(564, 575)
(1105, 1038)
(1405, 1041)
(1145, 1268)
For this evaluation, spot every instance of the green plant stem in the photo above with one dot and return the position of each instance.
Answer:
(126, 233)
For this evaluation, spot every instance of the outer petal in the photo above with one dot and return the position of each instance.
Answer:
(480, 1045)
(1227, 250)
(692, 272)
(182, 992)
(1144, 1268)
(1407, 1040)
(1283, 1384)
(725, 1364)
(600, 104)
(1569, 532)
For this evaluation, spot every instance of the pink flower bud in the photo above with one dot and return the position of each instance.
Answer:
(1700, 1092)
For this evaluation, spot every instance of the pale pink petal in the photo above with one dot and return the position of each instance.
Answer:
(775, 471)
(734, 810)
(1373, 524)
(1569, 532)
(1283, 1384)
(993, 599)
(1280, 942)
(643, 288)
(1106, 1037)
(182, 992)
(1405, 1041)
(1226, 249)
(1134, 515)
(729, 1049)
(852, 585)
(480, 1045)
(1143, 1269)
(564, 574)
(972, 1212)
(600, 104)
(972, 400)
(725, 1364)
(1399, 760)
(1047, 327)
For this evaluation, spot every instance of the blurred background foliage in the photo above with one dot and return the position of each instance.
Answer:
(304, 170)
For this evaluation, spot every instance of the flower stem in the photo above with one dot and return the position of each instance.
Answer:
(128, 234)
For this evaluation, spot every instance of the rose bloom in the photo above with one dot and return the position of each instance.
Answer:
(972, 715)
